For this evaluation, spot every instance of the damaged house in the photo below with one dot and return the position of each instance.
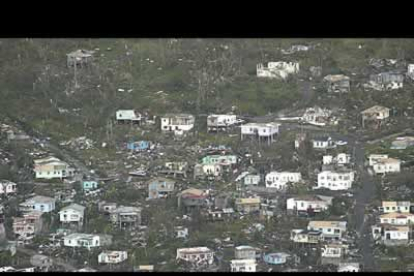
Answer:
(248, 205)
(41, 262)
(260, 131)
(300, 139)
(279, 70)
(177, 123)
(176, 168)
(375, 115)
(7, 187)
(112, 257)
(220, 122)
(138, 146)
(210, 171)
(26, 227)
(52, 168)
(329, 229)
(245, 252)
(87, 240)
(129, 116)
(126, 217)
(193, 198)
(199, 255)
(339, 159)
(317, 116)
(79, 58)
(160, 188)
(386, 81)
(410, 71)
(337, 83)
(308, 203)
(382, 164)
(336, 179)
(402, 143)
(306, 236)
(244, 265)
(391, 234)
(323, 142)
(279, 180)
(334, 250)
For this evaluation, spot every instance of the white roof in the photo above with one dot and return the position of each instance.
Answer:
(194, 250)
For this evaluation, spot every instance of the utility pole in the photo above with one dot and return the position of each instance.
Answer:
(75, 75)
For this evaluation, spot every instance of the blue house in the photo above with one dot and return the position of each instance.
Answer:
(43, 204)
(276, 258)
(139, 145)
(89, 185)
(160, 188)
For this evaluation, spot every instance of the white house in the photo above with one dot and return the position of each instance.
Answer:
(177, 123)
(130, 116)
(112, 257)
(323, 143)
(375, 158)
(280, 179)
(389, 165)
(317, 203)
(348, 267)
(252, 179)
(86, 240)
(396, 206)
(397, 218)
(243, 265)
(52, 167)
(336, 180)
(196, 255)
(265, 131)
(220, 122)
(278, 69)
(391, 233)
(181, 232)
(72, 213)
(341, 158)
(376, 113)
(333, 250)
(316, 116)
(329, 229)
(410, 71)
(7, 187)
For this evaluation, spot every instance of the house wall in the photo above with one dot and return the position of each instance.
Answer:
(396, 235)
(70, 216)
(245, 254)
(44, 207)
(252, 180)
(8, 188)
(393, 209)
(332, 252)
(89, 185)
(243, 267)
(51, 171)
(303, 205)
(194, 257)
(169, 124)
(386, 167)
(374, 158)
(335, 180)
(280, 179)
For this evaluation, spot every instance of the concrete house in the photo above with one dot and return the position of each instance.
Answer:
(245, 252)
(337, 83)
(208, 170)
(43, 204)
(112, 257)
(177, 123)
(26, 227)
(52, 168)
(395, 206)
(334, 250)
(138, 146)
(397, 218)
(317, 116)
(260, 131)
(88, 185)
(243, 265)
(279, 180)
(200, 255)
(72, 213)
(87, 240)
(306, 236)
(223, 160)
(79, 58)
(375, 115)
(252, 179)
(323, 143)
(279, 70)
(340, 158)
(126, 217)
(386, 81)
(248, 205)
(41, 262)
(176, 168)
(316, 203)
(339, 179)
(160, 188)
(220, 214)
(276, 258)
(106, 207)
(387, 165)
(181, 232)
(193, 198)
(128, 116)
(401, 143)
(329, 229)
(348, 267)
(7, 187)
(220, 122)
(391, 234)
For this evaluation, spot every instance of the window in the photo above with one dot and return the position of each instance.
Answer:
(329, 230)
(387, 208)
